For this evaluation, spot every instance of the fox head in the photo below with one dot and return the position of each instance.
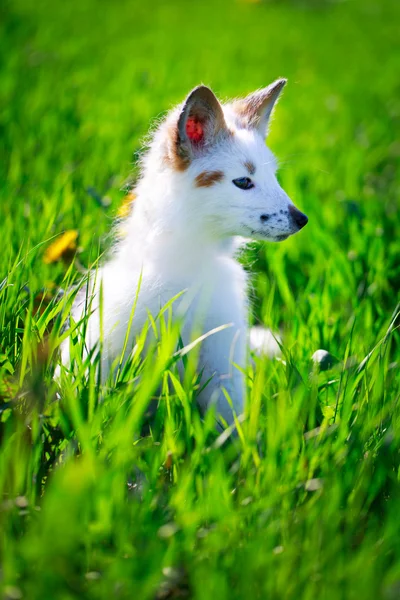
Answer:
(216, 161)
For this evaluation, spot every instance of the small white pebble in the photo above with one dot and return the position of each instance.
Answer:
(324, 359)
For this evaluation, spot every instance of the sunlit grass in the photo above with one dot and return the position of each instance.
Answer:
(102, 495)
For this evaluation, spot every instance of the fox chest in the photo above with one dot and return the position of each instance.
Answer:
(215, 308)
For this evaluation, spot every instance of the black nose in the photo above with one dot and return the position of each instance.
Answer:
(298, 217)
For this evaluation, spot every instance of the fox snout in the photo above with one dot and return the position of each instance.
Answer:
(278, 226)
(297, 217)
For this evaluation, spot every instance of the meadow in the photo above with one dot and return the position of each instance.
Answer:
(305, 503)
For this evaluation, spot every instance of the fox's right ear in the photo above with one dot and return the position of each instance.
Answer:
(254, 111)
(200, 124)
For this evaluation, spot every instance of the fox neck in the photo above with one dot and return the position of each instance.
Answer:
(163, 232)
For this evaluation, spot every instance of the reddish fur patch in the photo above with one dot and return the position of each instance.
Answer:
(208, 178)
(194, 130)
(172, 156)
(250, 167)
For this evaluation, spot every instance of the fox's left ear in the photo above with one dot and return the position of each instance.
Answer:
(254, 111)
(201, 123)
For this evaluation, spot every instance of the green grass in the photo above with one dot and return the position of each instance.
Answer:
(306, 503)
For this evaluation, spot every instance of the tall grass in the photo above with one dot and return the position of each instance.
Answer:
(99, 499)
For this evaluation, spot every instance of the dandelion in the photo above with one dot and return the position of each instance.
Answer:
(126, 205)
(62, 248)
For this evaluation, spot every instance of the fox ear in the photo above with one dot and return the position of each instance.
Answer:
(254, 111)
(200, 123)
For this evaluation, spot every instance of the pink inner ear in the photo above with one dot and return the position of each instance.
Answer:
(194, 130)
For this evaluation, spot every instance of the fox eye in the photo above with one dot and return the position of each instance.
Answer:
(244, 183)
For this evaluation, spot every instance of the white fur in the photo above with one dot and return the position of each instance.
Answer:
(183, 237)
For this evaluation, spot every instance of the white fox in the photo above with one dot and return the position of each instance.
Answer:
(206, 179)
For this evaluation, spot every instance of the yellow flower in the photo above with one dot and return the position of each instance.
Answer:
(126, 205)
(63, 247)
